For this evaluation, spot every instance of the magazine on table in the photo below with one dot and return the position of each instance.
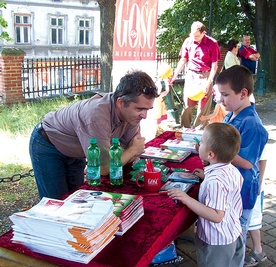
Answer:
(129, 208)
(76, 231)
(180, 145)
(169, 185)
(188, 134)
(184, 177)
(173, 155)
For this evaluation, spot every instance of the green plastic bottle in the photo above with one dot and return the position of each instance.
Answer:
(93, 163)
(116, 165)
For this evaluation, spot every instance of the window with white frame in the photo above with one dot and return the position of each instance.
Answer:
(22, 26)
(57, 30)
(84, 31)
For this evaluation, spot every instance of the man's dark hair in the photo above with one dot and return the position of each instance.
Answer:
(231, 44)
(133, 84)
(238, 77)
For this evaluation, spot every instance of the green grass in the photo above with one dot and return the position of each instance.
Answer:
(21, 118)
(16, 124)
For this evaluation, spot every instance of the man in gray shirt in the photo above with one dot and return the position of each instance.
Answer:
(59, 143)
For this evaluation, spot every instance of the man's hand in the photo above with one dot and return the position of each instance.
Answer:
(137, 145)
(171, 80)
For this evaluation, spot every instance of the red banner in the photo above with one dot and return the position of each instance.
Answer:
(135, 30)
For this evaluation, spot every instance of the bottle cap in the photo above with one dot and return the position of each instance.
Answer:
(115, 140)
(93, 140)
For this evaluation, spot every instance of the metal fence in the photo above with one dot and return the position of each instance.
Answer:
(56, 76)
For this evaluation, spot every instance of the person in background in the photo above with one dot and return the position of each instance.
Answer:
(218, 237)
(219, 110)
(231, 57)
(59, 143)
(236, 84)
(202, 53)
(249, 56)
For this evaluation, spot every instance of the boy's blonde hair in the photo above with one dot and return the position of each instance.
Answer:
(223, 139)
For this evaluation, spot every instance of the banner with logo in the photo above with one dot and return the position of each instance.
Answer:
(135, 30)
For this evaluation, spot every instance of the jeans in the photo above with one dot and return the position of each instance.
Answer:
(55, 173)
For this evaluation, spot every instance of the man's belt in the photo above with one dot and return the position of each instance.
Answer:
(199, 72)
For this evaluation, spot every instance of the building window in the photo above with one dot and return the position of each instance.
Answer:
(57, 30)
(84, 31)
(22, 27)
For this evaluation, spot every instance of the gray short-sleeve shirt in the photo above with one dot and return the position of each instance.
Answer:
(70, 128)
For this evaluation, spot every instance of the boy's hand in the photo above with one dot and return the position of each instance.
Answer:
(178, 194)
(199, 173)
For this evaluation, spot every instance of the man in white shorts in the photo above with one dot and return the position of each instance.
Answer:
(257, 255)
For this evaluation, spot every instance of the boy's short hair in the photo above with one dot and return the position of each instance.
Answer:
(223, 139)
(133, 84)
(238, 77)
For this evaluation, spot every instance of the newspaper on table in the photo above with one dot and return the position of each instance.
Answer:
(73, 231)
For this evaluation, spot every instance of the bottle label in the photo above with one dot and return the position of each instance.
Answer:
(93, 173)
(116, 173)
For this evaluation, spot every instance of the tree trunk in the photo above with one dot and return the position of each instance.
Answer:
(107, 16)
(265, 37)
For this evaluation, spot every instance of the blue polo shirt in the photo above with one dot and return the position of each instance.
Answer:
(253, 139)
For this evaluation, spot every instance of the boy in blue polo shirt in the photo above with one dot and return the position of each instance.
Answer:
(236, 84)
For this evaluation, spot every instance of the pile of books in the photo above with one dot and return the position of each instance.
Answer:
(77, 228)
(129, 208)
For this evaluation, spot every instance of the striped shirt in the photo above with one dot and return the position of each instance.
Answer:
(220, 190)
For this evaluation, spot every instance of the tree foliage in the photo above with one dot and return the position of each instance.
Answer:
(3, 23)
(225, 20)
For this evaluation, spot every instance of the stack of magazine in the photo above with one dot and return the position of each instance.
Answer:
(129, 208)
(75, 231)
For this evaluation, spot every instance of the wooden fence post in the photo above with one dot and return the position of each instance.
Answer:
(11, 60)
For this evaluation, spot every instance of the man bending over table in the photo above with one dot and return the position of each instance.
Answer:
(58, 144)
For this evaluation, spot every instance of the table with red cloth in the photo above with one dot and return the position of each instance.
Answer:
(163, 222)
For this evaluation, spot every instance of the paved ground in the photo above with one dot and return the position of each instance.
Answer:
(185, 243)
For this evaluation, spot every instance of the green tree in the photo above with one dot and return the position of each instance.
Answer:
(3, 23)
(226, 19)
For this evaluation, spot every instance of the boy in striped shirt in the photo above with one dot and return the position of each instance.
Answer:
(218, 237)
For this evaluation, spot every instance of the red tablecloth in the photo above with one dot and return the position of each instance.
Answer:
(162, 223)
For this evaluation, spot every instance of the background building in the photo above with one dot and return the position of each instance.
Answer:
(52, 28)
